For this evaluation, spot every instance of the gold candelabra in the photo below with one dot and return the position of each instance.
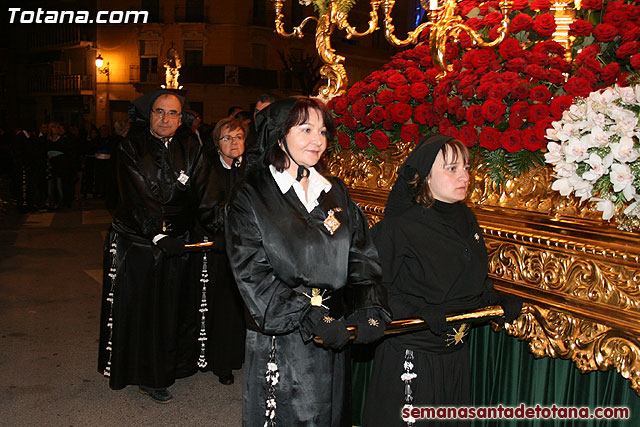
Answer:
(332, 14)
(444, 24)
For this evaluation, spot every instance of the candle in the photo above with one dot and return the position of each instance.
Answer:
(433, 4)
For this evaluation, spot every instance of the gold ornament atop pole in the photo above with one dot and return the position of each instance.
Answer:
(332, 14)
(172, 64)
(445, 24)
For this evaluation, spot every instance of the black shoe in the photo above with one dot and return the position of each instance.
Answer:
(226, 379)
(159, 395)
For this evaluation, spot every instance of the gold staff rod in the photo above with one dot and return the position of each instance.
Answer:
(411, 325)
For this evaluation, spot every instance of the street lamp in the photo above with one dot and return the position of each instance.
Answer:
(99, 64)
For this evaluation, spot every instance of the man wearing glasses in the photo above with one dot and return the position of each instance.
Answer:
(147, 332)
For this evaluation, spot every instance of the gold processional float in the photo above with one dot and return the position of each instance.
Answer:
(578, 275)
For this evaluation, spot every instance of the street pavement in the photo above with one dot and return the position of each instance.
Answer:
(50, 290)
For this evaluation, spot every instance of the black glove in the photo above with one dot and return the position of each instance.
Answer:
(370, 327)
(172, 246)
(435, 318)
(512, 307)
(333, 332)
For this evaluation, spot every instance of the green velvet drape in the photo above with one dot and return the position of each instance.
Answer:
(504, 372)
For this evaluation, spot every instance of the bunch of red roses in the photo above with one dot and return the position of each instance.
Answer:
(607, 46)
(501, 99)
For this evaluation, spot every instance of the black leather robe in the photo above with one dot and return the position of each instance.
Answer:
(278, 251)
(148, 298)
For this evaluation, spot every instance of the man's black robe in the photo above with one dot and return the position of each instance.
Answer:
(150, 300)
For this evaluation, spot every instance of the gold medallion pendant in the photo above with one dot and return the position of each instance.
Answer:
(331, 223)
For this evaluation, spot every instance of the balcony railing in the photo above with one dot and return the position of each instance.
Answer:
(59, 36)
(62, 84)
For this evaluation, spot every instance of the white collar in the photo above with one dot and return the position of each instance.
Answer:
(317, 184)
(225, 165)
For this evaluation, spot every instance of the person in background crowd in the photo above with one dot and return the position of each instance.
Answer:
(104, 148)
(225, 326)
(231, 112)
(264, 100)
(166, 184)
(305, 265)
(434, 262)
(88, 151)
(57, 167)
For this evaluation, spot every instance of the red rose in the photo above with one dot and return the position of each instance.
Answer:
(359, 109)
(530, 140)
(499, 91)
(520, 22)
(508, 77)
(453, 104)
(376, 114)
(538, 112)
(559, 104)
(340, 104)
(445, 127)
(540, 94)
(560, 64)
(550, 47)
(615, 17)
(467, 92)
(349, 121)
(516, 64)
(542, 126)
(592, 4)
(402, 94)
(492, 18)
(629, 33)
(515, 121)
(520, 109)
(489, 138)
(491, 77)
(375, 77)
(627, 49)
(440, 104)
(385, 97)
(578, 86)
(370, 100)
(380, 139)
(605, 32)
(430, 76)
(465, 41)
(520, 90)
(414, 75)
(355, 92)
(482, 91)
(419, 91)
(387, 125)
(409, 132)
(461, 113)
(536, 71)
(424, 114)
(610, 73)
(519, 4)
(555, 77)
(468, 135)
(483, 57)
(538, 5)
(343, 140)
(474, 115)
(451, 51)
(396, 80)
(511, 141)
(635, 61)
(492, 110)
(510, 48)
(361, 140)
(400, 112)
(580, 27)
(366, 122)
(545, 25)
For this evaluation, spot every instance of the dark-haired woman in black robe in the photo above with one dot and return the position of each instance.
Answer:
(434, 262)
(305, 265)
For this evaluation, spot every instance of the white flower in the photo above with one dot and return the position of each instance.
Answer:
(598, 167)
(563, 186)
(626, 94)
(598, 137)
(620, 177)
(554, 153)
(575, 150)
(623, 151)
(607, 208)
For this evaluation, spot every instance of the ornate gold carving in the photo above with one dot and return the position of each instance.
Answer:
(589, 345)
(334, 16)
